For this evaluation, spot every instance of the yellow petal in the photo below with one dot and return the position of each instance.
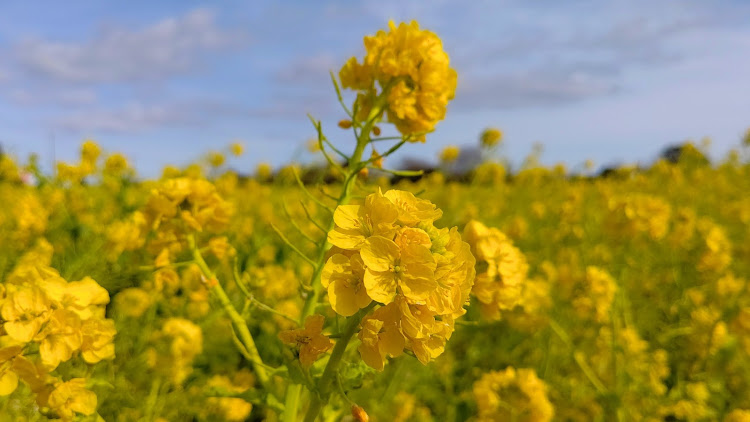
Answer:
(8, 382)
(379, 253)
(417, 281)
(381, 286)
(347, 217)
(343, 299)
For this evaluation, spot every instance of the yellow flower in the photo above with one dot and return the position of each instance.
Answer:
(738, 415)
(310, 341)
(8, 378)
(236, 149)
(162, 260)
(344, 278)
(24, 312)
(97, 341)
(412, 210)
(388, 268)
(132, 302)
(433, 343)
(220, 247)
(455, 275)
(356, 76)
(231, 408)
(414, 72)
(72, 397)
(116, 165)
(499, 286)
(377, 159)
(35, 375)
(356, 223)
(598, 293)
(449, 154)
(86, 297)
(61, 337)
(90, 151)
(263, 171)
(490, 137)
(512, 394)
(421, 273)
(176, 346)
(381, 336)
(216, 159)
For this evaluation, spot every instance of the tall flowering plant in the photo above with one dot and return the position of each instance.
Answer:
(398, 279)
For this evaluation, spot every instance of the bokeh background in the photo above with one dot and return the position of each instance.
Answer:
(165, 82)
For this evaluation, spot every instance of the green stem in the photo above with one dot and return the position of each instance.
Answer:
(242, 331)
(578, 357)
(329, 373)
(354, 166)
(291, 401)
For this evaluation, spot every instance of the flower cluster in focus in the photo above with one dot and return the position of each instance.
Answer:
(388, 250)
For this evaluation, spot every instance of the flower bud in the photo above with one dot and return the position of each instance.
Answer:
(359, 414)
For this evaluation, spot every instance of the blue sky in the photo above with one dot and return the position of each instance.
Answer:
(164, 82)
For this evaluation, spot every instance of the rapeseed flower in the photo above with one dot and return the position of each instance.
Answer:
(413, 76)
(395, 256)
(310, 340)
(490, 137)
(512, 394)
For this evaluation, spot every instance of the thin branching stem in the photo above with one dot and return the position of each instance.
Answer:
(293, 247)
(296, 226)
(310, 195)
(312, 220)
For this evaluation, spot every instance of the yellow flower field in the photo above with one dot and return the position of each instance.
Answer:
(365, 293)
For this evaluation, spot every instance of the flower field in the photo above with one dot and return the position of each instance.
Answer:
(354, 292)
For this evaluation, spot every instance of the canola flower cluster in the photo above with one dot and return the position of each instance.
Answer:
(500, 285)
(388, 250)
(47, 321)
(413, 77)
(512, 395)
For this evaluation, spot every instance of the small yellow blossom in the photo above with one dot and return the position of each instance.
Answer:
(490, 137)
(411, 270)
(71, 398)
(449, 154)
(380, 336)
(499, 287)
(512, 395)
(310, 341)
(24, 313)
(236, 149)
(216, 159)
(355, 223)
(344, 278)
(61, 337)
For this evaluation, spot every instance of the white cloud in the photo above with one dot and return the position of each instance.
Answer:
(528, 89)
(169, 47)
(309, 69)
(129, 119)
(64, 97)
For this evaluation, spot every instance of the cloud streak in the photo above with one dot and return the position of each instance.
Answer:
(170, 47)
